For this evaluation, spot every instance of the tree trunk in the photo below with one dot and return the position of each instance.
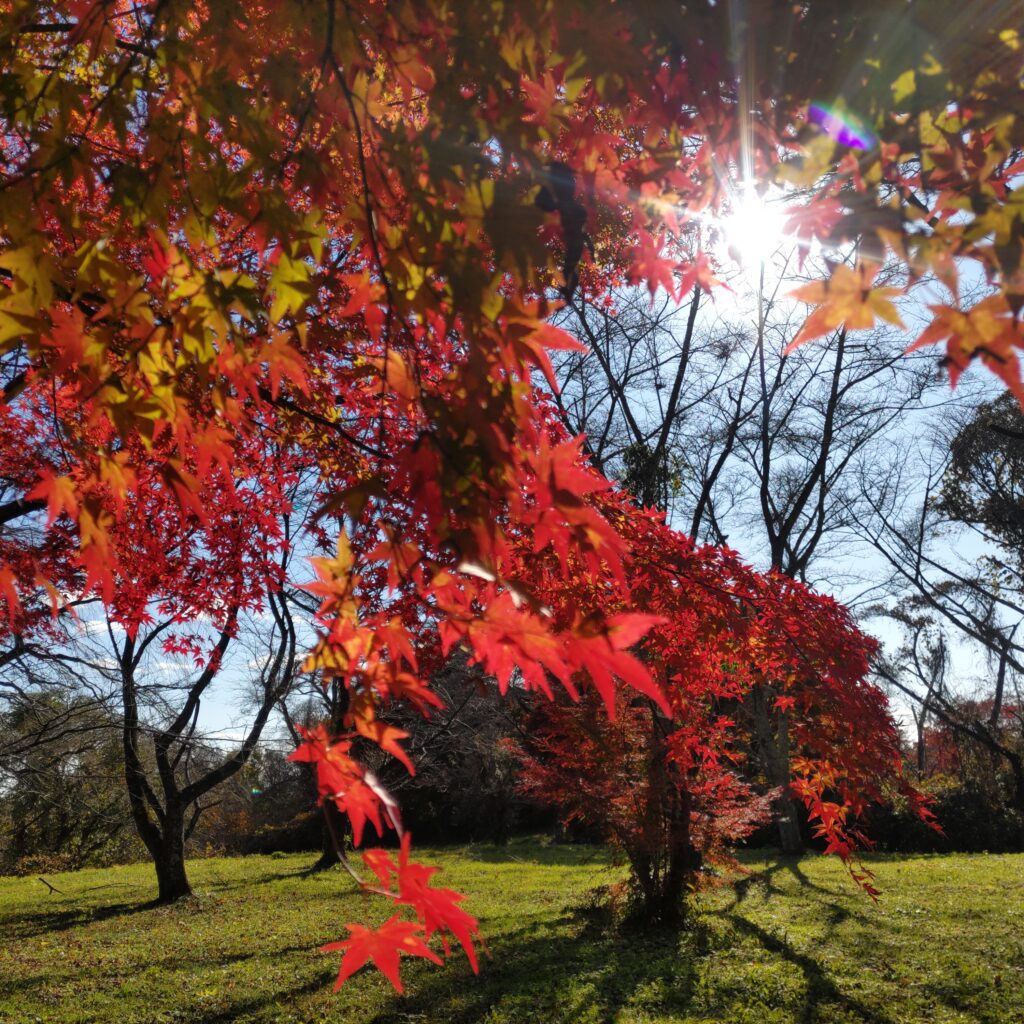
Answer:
(684, 861)
(170, 873)
(774, 750)
(663, 881)
(169, 859)
(790, 841)
(334, 823)
(1017, 767)
(163, 831)
(332, 832)
(666, 864)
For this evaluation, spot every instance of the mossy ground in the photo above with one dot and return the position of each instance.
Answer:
(797, 943)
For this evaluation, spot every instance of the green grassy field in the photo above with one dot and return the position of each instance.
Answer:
(798, 943)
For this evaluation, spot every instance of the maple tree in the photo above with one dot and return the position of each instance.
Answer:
(671, 781)
(720, 422)
(240, 231)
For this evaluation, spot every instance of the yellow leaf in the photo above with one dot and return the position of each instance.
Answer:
(291, 286)
(32, 288)
(904, 86)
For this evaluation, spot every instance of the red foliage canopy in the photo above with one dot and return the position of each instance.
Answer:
(719, 631)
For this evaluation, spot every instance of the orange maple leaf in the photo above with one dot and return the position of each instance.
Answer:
(845, 300)
(385, 736)
(987, 331)
(59, 492)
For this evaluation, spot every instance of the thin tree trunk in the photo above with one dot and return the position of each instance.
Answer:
(666, 862)
(774, 749)
(332, 829)
(684, 861)
(1017, 767)
(162, 830)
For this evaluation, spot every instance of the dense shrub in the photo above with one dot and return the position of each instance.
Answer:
(972, 820)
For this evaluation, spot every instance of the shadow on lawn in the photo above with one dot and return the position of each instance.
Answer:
(533, 975)
(538, 973)
(213, 883)
(174, 962)
(575, 967)
(553, 855)
(820, 988)
(76, 909)
(766, 878)
(249, 1009)
(34, 923)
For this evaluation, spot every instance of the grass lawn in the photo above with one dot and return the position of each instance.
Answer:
(799, 943)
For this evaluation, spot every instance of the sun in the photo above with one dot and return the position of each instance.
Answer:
(753, 229)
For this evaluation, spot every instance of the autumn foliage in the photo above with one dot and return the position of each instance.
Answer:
(672, 784)
(246, 240)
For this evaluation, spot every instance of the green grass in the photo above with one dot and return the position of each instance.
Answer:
(799, 943)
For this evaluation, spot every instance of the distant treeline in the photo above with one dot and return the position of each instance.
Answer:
(63, 803)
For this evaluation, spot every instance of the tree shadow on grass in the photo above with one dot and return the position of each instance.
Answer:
(250, 1009)
(835, 913)
(558, 970)
(553, 855)
(76, 909)
(539, 973)
(766, 879)
(820, 988)
(35, 923)
(213, 883)
(172, 962)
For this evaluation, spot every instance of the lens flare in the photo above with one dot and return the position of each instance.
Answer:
(846, 128)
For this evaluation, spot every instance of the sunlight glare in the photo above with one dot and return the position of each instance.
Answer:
(753, 229)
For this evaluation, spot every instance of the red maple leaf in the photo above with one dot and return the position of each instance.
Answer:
(438, 909)
(381, 945)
